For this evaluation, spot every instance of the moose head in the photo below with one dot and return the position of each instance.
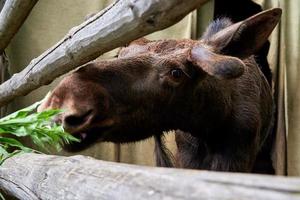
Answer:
(153, 86)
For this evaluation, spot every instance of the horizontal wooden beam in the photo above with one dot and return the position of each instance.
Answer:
(36, 176)
(120, 23)
(12, 16)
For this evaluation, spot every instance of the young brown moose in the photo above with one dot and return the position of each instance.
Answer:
(212, 88)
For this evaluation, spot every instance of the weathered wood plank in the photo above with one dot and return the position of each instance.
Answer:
(122, 22)
(12, 16)
(33, 176)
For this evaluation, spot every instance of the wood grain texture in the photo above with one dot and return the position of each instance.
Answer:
(12, 16)
(34, 176)
(120, 23)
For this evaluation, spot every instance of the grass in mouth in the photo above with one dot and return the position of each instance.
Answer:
(38, 126)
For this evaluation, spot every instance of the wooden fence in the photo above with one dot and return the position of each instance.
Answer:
(35, 176)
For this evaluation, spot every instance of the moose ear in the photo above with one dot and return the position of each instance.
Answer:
(219, 66)
(246, 37)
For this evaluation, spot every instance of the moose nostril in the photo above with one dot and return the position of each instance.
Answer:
(76, 120)
(73, 120)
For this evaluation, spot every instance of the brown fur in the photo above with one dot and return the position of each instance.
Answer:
(210, 89)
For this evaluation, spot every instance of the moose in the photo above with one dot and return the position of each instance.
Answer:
(210, 89)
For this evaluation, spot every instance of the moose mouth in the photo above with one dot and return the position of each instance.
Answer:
(87, 138)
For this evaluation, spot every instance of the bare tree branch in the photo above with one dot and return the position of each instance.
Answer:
(12, 17)
(35, 176)
(123, 21)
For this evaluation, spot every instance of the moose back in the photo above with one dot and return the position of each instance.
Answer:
(211, 89)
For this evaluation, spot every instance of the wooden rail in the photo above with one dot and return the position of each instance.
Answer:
(35, 176)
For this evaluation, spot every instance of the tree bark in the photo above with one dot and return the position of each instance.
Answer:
(120, 23)
(12, 16)
(35, 176)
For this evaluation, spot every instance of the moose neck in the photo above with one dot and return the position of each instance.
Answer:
(213, 106)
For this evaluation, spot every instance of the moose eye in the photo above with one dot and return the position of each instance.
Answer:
(176, 73)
